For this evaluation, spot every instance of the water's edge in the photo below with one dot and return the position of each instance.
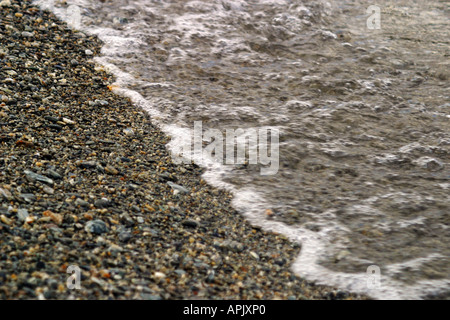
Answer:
(253, 204)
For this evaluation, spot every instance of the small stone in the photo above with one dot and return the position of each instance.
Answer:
(102, 203)
(280, 262)
(86, 164)
(5, 3)
(128, 132)
(28, 197)
(55, 217)
(236, 246)
(27, 34)
(48, 190)
(56, 127)
(96, 226)
(254, 255)
(210, 277)
(37, 177)
(5, 219)
(124, 236)
(88, 52)
(51, 119)
(111, 170)
(40, 265)
(81, 203)
(115, 248)
(177, 187)
(53, 174)
(22, 214)
(232, 245)
(8, 80)
(190, 223)
(159, 275)
(30, 219)
(101, 103)
(126, 220)
(180, 272)
(68, 121)
(5, 194)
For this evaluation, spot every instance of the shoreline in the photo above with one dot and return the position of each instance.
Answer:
(85, 182)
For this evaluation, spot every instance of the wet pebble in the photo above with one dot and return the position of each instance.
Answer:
(102, 203)
(22, 214)
(190, 223)
(177, 187)
(96, 226)
(38, 177)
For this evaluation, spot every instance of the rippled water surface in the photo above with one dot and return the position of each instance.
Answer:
(363, 115)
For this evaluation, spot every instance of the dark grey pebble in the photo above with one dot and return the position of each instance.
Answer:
(55, 126)
(102, 203)
(51, 119)
(180, 272)
(81, 203)
(86, 164)
(231, 245)
(190, 223)
(96, 226)
(125, 236)
(28, 197)
(280, 262)
(38, 177)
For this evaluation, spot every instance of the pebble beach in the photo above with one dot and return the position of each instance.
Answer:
(86, 181)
